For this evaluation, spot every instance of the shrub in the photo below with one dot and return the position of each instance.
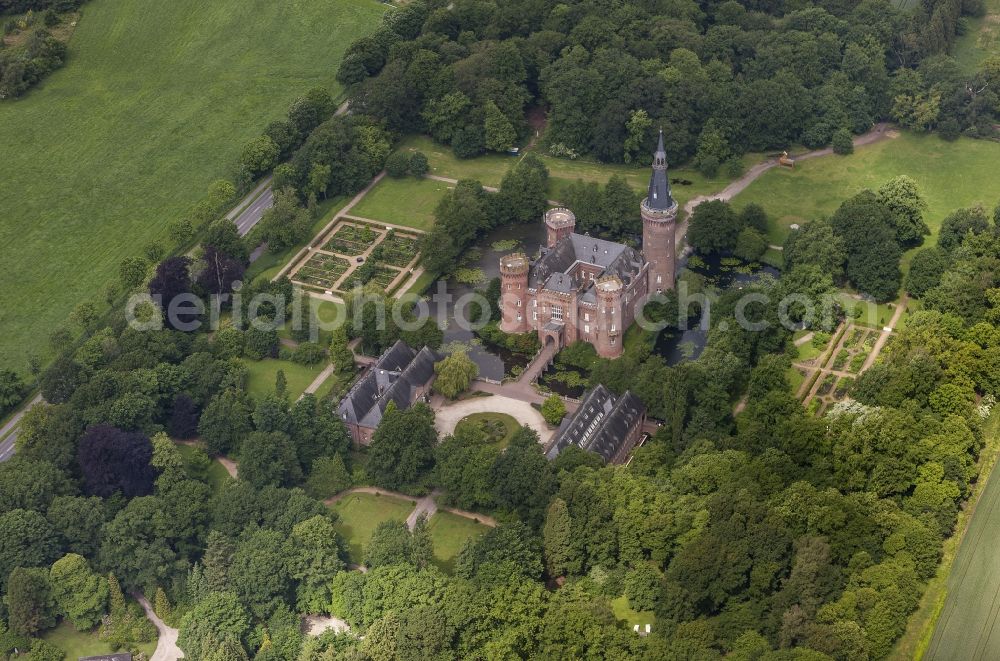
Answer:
(418, 164)
(843, 143)
(398, 164)
(553, 410)
(329, 476)
(308, 353)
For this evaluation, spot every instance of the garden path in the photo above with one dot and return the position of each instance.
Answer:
(166, 645)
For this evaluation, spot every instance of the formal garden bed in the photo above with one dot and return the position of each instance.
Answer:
(321, 270)
(397, 249)
(352, 239)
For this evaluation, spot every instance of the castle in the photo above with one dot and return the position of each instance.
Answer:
(588, 289)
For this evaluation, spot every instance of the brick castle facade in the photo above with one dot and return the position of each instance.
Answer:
(588, 289)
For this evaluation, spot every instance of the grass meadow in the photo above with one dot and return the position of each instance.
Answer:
(78, 644)
(950, 175)
(360, 514)
(155, 103)
(263, 373)
(449, 533)
(409, 202)
(981, 40)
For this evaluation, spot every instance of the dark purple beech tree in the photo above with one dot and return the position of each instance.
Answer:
(184, 416)
(112, 460)
(221, 271)
(172, 279)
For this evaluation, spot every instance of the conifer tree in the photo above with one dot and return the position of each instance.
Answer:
(558, 541)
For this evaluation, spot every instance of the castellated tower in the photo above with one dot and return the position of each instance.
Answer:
(559, 223)
(609, 317)
(659, 223)
(514, 293)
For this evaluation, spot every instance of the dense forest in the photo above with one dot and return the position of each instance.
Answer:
(721, 78)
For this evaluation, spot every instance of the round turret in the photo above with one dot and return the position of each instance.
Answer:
(514, 293)
(559, 223)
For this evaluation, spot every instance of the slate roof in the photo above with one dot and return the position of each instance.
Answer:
(600, 424)
(395, 377)
(614, 258)
(658, 196)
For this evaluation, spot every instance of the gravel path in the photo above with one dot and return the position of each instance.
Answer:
(166, 646)
(447, 416)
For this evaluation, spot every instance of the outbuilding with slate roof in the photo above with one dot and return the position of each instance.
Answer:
(401, 375)
(604, 424)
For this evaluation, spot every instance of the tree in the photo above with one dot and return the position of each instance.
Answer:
(42, 650)
(29, 601)
(958, 224)
(906, 206)
(219, 614)
(750, 245)
(402, 447)
(268, 458)
(112, 460)
(328, 477)
(561, 556)
(500, 133)
(926, 269)
(220, 274)
(172, 280)
(523, 194)
(390, 545)
(258, 156)
(454, 374)
(815, 243)
(553, 409)
(314, 559)
(522, 480)
(132, 272)
(259, 573)
(161, 605)
(183, 423)
(226, 422)
(505, 552)
(398, 164)
(714, 227)
(637, 128)
(78, 521)
(136, 544)
(31, 485)
(421, 544)
(418, 164)
(843, 143)
(80, 594)
(642, 587)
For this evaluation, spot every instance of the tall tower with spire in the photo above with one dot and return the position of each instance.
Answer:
(659, 224)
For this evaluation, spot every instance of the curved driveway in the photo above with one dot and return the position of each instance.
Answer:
(447, 415)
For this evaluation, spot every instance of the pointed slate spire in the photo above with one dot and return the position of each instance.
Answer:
(658, 198)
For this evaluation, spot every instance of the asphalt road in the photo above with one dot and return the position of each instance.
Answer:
(248, 213)
(7, 445)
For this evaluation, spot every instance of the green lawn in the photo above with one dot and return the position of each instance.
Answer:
(449, 532)
(360, 513)
(981, 40)
(624, 612)
(213, 472)
(950, 175)
(156, 101)
(84, 643)
(510, 424)
(263, 373)
(489, 169)
(409, 202)
(872, 315)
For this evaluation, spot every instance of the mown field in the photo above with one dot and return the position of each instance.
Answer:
(950, 175)
(981, 40)
(966, 626)
(155, 103)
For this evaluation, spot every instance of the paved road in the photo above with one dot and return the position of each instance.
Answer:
(249, 216)
(7, 445)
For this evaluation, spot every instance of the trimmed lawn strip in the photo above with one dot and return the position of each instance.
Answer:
(263, 373)
(624, 612)
(78, 644)
(360, 514)
(409, 202)
(449, 533)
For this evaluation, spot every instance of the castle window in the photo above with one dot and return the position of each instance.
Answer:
(534, 303)
(612, 328)
(586, 328)
(557, 313)
(586, 316)
(518, 302)
(612, 341)
(534, 315)
(659, 279)
(519, 316)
